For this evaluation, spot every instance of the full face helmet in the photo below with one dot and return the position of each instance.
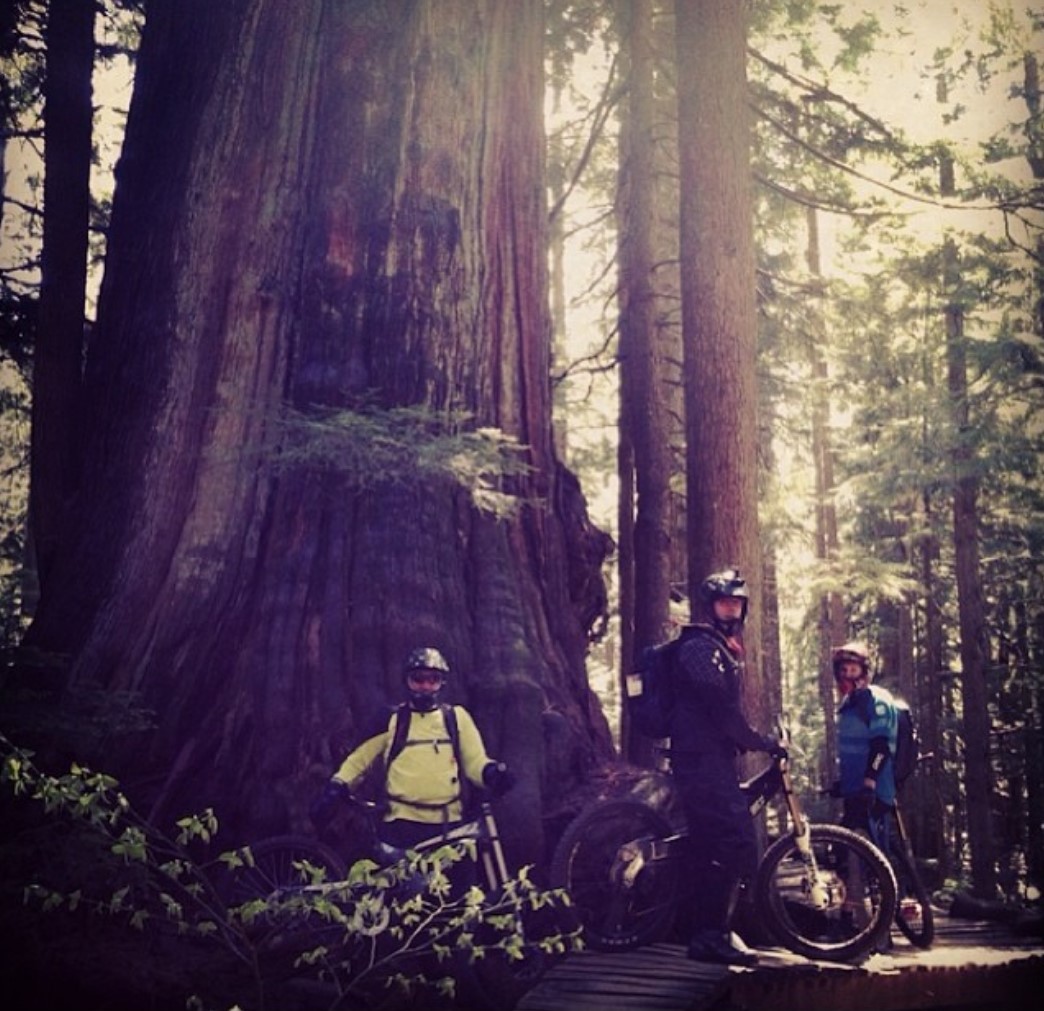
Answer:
(720, 585)
(850, 653)
(425, 673)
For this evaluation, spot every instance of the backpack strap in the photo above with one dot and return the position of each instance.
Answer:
(449, 715)
(402, 715)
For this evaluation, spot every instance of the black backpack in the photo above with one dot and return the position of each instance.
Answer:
(650, 689)
(907, 743)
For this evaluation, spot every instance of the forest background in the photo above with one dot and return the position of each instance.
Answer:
(891, 417)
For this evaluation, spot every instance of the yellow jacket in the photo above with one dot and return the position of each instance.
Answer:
(423, 781)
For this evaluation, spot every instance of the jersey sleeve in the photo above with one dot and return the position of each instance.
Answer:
(472, 749)
(358, 763)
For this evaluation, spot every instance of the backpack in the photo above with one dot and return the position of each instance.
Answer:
(650, 689)
(907, 743)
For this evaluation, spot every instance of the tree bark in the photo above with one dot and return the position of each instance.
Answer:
(975, 716)
(832, 626)
(58, 350)
(324, 206)
(643, 392)
(718, 311)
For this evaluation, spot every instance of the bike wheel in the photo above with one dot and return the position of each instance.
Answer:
(614, 916)
(278, 864)
(913, 913)
(837, 907)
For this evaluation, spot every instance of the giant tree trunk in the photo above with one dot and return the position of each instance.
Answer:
(322, 206)
(718, 311)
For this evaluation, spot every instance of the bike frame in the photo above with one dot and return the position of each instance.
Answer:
(821, 892)
(762, 787)
(482, 829)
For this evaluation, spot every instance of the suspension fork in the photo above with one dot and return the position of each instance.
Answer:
(817, 890)
(493, 861)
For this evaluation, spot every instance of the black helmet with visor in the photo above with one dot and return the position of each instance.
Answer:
(719, 585)
(425, 666)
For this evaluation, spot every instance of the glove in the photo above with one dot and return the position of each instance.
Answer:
(325, 805)
(497, 778)
(775, 747)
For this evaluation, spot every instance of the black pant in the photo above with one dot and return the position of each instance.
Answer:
(875, 821)
(404, 834)
(722, 845)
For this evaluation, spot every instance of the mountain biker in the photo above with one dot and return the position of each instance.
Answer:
(867, 724)
(423, 785)
(708, 730)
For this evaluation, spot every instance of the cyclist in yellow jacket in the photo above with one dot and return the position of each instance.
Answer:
(431, 752)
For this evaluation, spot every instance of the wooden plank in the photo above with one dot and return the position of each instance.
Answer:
(971, 963)
(655, 978)
(1013, 985)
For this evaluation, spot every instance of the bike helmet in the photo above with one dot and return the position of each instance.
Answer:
(431, 661)
(727, 583)
(850, 652)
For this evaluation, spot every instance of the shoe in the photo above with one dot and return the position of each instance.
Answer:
(717, 946)
(884, 944)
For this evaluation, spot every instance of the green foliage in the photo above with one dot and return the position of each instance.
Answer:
(376, 929)
(405, 445)
(403, 927)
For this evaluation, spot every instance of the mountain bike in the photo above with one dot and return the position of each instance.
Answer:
(823, 891)
(448, 907)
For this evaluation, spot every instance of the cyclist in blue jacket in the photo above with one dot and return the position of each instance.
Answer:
(708, 731)
(867, 729)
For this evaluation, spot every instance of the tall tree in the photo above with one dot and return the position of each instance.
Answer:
(645, 575)
(718, 311)
(831, 625)
(974, 648)
(58, 350)
(326, 214)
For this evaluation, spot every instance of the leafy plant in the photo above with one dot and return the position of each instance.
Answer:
(383, 932)
(372, 446)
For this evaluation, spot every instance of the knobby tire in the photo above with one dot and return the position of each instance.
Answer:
(280, 937)
(861, 891)
(913, 914)
(273, 867)
(615, 918)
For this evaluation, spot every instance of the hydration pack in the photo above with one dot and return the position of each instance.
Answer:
(907, 743)
(399, 728)
(650, 688)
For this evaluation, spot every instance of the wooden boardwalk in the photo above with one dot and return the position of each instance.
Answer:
(972, 964)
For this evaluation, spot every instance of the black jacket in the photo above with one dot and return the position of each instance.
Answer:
(707, 715)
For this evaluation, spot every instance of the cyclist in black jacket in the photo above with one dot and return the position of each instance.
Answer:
(708, 731)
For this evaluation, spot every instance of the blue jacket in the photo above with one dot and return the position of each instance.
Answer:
(866, 714)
